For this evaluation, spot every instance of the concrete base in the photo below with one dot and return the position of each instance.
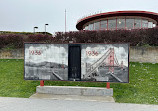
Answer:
(73, 97)
(74, 90)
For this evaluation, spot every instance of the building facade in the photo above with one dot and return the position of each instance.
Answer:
(118, 20)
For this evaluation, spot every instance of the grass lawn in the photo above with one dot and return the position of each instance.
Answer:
(143, 86)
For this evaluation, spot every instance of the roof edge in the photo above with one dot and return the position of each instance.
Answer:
(84, 20)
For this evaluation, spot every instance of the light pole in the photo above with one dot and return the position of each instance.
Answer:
(35, 28)
(45, 28)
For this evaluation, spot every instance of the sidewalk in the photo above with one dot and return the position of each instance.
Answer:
(28, 104)
(73, 97)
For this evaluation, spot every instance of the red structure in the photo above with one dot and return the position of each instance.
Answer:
(119, 20)
(41, 83)
(111, 61)
(108, 85)
(111, 65)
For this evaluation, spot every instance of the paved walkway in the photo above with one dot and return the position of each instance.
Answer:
(25, 104)
(73, 97)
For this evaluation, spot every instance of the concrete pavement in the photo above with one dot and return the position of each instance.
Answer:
(75, 90)
(73, 97)
(28, 104)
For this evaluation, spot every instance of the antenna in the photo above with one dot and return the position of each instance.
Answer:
(65, 20)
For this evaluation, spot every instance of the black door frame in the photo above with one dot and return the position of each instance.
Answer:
(70, 63)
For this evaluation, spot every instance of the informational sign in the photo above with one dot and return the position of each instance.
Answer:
(77, 62)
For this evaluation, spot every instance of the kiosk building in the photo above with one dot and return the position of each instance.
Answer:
(118, 20)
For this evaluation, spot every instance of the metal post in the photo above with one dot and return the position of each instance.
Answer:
(108, 85)
(41, 83)
(35, 28)
(45, 28)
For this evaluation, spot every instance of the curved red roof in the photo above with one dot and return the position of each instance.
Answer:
(147, 14)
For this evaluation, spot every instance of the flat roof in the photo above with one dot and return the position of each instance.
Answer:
(87, 19)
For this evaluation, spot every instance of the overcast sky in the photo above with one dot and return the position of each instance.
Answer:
(23, 15)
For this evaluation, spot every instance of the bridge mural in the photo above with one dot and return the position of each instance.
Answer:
(104, 62)
(77, 62)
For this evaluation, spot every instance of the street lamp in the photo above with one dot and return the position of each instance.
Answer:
(35, 28)
(45, 28)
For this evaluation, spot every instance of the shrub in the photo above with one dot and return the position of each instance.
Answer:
(137, 37)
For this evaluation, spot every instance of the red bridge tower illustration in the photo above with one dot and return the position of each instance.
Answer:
(109, 59)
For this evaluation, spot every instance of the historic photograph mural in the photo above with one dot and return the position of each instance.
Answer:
(46, 62)
(77, 62)
(105, 62)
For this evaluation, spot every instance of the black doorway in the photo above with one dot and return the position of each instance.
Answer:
(74, 63)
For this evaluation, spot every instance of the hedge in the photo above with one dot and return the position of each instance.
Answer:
(137, 37)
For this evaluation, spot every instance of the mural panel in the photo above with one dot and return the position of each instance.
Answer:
(104, 62)
(46, 62)
(77, 62)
